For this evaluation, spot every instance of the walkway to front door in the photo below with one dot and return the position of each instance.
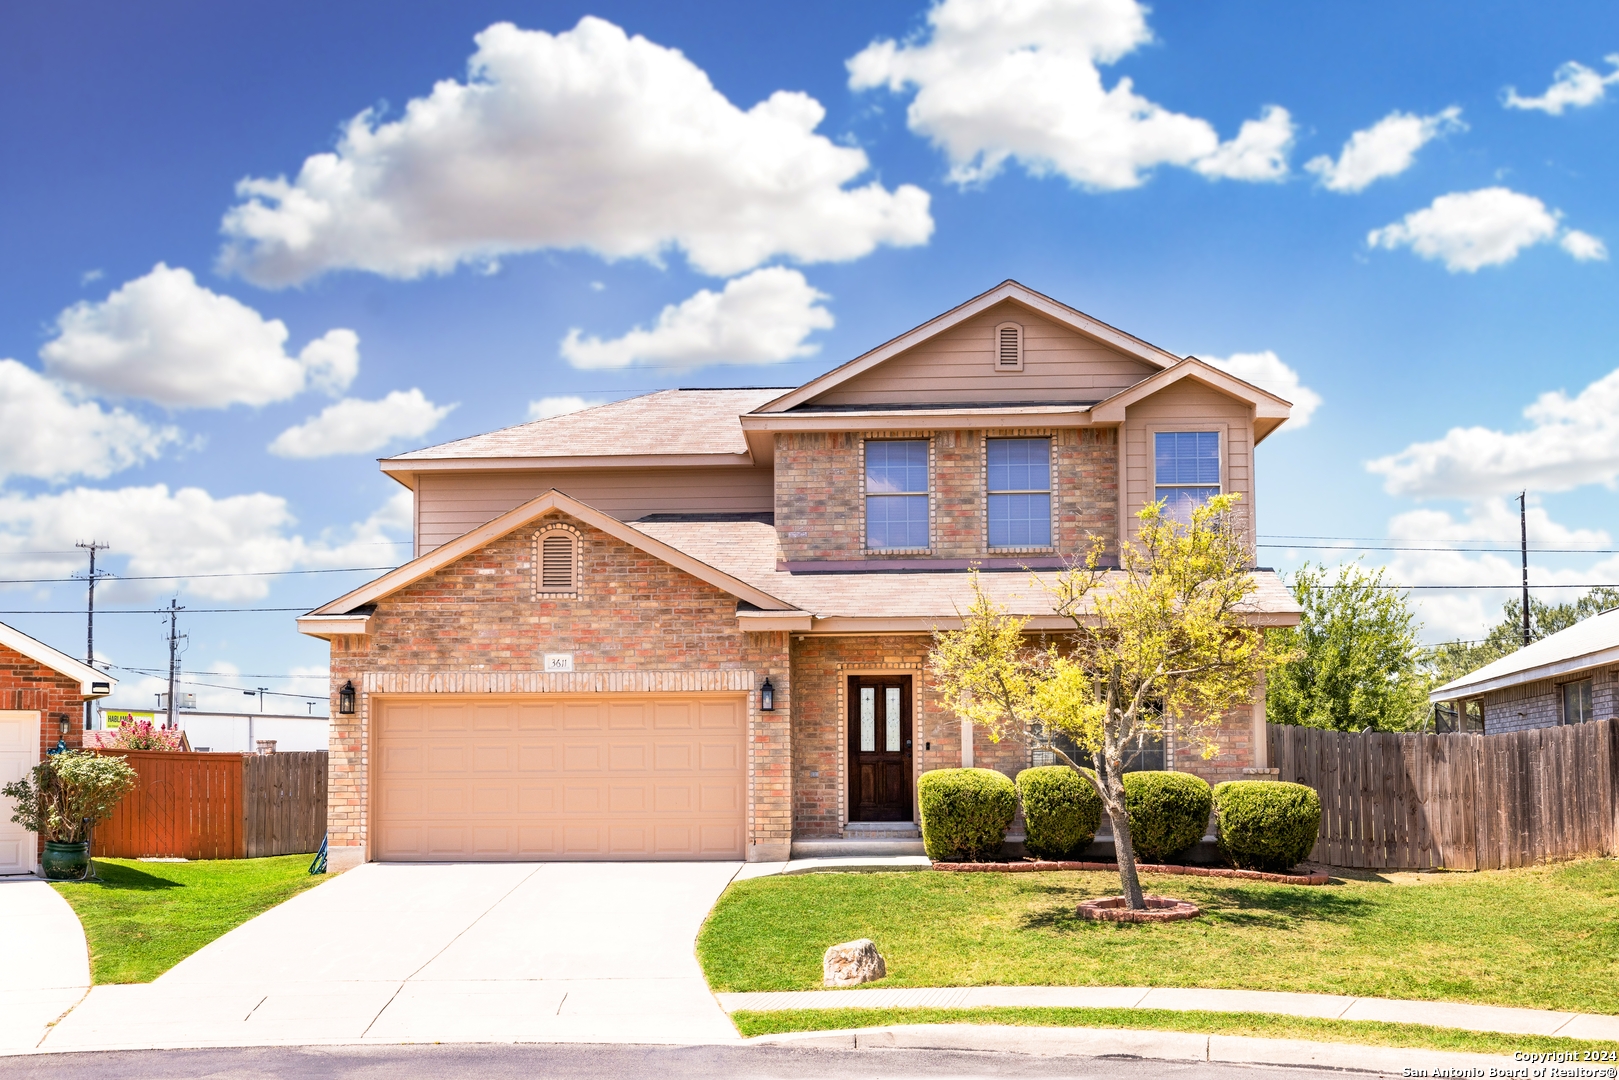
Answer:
(879, 748)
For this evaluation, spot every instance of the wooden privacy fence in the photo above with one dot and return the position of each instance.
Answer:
(217, 806)
(1463, 802)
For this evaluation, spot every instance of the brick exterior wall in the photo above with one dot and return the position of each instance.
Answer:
(819, 511)
(1540, 704)
(27, 686)
(475, 625)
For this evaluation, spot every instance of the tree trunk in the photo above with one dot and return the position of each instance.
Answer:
(1111, 788)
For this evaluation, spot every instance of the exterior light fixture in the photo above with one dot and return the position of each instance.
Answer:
(345, 699)
(61, 743)
(100, 688)
(767, 697)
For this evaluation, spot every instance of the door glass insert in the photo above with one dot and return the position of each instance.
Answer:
(893, 718)
(868, 719)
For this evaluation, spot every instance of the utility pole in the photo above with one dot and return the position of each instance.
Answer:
(1523, 548)
(90, 615)
(174, 653)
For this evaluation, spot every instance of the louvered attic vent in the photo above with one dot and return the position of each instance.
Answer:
(1009, 347)
(558, 572)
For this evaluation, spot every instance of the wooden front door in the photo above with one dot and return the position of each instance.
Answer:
(879, 748)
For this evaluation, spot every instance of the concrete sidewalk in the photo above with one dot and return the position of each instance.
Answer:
(490, 952)
(47, 968)
(1491, 1018)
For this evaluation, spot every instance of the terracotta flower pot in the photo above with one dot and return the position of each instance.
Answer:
(66, 862)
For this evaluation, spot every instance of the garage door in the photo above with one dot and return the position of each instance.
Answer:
(589, 776)
(19, 752)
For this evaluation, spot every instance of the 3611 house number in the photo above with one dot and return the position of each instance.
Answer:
(559, 661)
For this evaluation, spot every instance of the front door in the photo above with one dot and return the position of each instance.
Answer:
(879, 748)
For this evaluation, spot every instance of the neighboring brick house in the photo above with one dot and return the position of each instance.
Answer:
(1565, 678)
(42, 696)
(575, 663)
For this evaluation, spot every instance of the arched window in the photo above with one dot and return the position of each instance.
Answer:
(556, 562)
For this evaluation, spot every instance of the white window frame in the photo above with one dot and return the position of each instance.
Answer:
(1222, 439)
(1051, 492)
(865, 533)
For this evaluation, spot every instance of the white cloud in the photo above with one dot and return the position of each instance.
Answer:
(1571, 441)
(354, 426)
(1387, 148)
(585, 139)
(165, 338)
(1267, 371)
(1470, 230)
(1468, 613)
(47, 434)
(1000, 79)
(89, 276)
(1574, 86)
(183, 534)
(1583, 246)
(547, 407)
(762, 318)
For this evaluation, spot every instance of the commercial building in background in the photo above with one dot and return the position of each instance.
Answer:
(226, 732)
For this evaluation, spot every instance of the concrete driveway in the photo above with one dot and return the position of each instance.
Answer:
(495, 952)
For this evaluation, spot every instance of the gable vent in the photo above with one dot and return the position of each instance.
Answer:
(1009, 347)
(557, 571)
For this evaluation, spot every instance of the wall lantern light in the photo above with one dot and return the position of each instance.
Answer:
(767, 697)
(345, 699)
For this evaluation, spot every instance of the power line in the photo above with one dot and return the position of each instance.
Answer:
(153, 611)
(1485, 551)
(109, 575)
(228, 674)
(69, 551)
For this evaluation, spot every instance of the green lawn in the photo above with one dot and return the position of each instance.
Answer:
(1543, 938)
(1256, 1025)
(142, 918)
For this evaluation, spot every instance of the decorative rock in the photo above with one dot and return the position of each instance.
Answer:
(1159, 909)
(852, 963)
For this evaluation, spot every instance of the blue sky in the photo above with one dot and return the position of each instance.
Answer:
(1428, 282)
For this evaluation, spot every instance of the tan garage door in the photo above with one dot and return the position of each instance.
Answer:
(587, 776)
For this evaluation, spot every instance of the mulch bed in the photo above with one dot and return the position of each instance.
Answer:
(1035, 866)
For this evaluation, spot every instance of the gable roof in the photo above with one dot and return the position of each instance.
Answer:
(1019, 293)
(91, 682)
(339, 616)
(1270, 411)
(675, 427)
(1591, 643)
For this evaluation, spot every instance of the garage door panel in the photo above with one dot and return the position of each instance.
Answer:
(565, 778)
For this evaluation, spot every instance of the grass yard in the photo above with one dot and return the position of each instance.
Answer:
(142, 918)
(1545, 938)
(1254, 1025)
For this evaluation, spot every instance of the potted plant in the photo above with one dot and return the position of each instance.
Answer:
(63, 798)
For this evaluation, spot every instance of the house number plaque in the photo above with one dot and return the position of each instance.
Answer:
(559, 661)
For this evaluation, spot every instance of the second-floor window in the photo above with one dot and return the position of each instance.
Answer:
(1019, 493)
(1186, 470)
(897, 493)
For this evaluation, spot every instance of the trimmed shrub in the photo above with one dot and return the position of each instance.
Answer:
(965, 813)
(1168, 812)
(1061, 811)
(1265, 824)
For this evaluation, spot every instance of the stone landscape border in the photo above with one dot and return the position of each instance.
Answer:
(1036, 866)
(1159, 909)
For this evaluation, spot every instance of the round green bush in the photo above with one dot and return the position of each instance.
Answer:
(1061, 811)
(965, 813)
(1265, 824)
(1168, 812)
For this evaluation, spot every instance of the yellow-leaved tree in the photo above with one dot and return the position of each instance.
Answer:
(1167, 638)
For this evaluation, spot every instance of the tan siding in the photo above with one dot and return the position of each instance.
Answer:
(959, 366)
(450, 504)
(1189, 406)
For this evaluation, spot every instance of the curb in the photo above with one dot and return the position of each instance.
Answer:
(1040, 866)
(1156, 1045)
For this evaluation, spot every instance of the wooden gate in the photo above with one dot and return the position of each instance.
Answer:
(1464, 802)
(185, 805)
(217, 806)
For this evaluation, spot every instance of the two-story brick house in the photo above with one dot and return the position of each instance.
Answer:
(693, 624)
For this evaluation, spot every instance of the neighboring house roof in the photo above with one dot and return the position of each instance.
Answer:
(1058, 312)
(1590, 643)
(92, 683)
(340, 617)
(669, 427)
